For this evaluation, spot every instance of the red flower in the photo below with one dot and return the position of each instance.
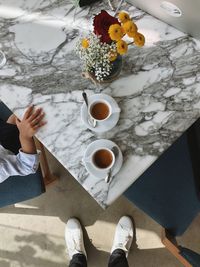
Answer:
(101, 23)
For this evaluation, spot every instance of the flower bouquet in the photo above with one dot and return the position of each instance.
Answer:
(101, 50)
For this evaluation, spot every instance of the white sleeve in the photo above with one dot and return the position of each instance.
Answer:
(20, 164)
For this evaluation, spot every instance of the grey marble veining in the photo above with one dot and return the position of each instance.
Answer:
(158, 89)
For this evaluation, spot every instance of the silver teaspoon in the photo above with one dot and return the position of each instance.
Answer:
(91, 120)
(109, 175)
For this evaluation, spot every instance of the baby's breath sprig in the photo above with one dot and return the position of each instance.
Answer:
(96, 56)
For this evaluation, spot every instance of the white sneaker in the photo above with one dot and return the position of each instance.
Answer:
(74, 238)
(123, 235)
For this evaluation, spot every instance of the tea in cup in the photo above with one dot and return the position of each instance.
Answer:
(102, 159)
(101, 110)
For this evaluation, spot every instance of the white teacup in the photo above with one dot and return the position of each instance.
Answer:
(102, 159)
(101, 110)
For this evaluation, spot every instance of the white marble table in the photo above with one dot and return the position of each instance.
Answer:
(158, 90)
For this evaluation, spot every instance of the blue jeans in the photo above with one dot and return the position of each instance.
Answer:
(117, 259)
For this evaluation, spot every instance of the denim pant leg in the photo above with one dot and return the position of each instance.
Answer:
(78, 260)
(118, 259)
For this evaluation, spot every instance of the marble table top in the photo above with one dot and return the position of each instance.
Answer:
(158, 89)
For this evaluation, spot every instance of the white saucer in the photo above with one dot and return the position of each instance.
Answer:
(98, 144)
(104, 125)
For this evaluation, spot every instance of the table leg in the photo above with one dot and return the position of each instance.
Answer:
(48, 176)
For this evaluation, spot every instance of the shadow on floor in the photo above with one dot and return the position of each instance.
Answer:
(27, 254)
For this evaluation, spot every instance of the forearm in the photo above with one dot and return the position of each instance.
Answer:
(28, 145)
(21, 164)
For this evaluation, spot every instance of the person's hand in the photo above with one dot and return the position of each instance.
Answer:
(12, 119)
(31, 122)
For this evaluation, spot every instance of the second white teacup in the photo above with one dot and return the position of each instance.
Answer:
(102, 159)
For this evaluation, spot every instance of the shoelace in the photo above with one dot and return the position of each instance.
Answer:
(76, 241)
(125, 243)
(127, 237)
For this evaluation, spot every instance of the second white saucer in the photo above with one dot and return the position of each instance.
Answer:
(98, 144)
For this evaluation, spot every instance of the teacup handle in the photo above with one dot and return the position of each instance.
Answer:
(116, 110)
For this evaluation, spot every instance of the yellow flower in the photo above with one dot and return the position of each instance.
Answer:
(113, 55)
(85, 43)
(132, 34)
(139, 39)
(130, 28)
(123, 17)
(122, 47)
(115, 32)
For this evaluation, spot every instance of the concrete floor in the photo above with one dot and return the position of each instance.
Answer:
(32, 232)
